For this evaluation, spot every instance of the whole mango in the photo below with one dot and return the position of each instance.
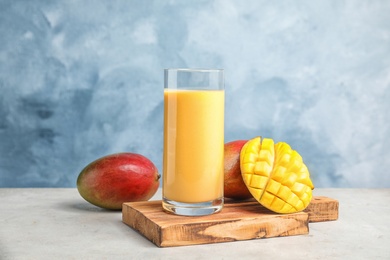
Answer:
(234, 186)
(117, 178)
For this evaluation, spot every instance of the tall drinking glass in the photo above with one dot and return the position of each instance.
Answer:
(193, 164)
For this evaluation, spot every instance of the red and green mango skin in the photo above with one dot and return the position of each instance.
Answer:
(234, 186)
(110, 181)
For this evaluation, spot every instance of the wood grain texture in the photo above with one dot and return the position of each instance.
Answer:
(322, 209)
(239, 220)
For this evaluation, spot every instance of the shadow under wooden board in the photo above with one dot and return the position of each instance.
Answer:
(239, 220)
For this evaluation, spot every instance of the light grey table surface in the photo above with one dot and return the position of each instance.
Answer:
(58, 224)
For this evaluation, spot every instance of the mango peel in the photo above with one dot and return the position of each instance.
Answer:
(275, 175)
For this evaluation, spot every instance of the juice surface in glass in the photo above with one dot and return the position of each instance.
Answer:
(193, 145)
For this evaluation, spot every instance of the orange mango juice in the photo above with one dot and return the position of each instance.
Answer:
(193, 145)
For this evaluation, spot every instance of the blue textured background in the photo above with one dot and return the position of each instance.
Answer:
(83, 79)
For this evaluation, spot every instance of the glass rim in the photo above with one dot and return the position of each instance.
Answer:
(194, 69)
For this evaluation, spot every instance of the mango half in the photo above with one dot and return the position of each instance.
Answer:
(275, 175)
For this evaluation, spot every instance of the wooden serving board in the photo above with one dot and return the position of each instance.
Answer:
(238, 220)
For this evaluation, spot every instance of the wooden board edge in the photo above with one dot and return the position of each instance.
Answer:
(141, 224)
(246, 229)
(322, 209)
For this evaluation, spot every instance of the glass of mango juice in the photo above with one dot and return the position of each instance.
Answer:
(193, 163)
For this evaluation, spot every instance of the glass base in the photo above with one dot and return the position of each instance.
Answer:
(193, 209)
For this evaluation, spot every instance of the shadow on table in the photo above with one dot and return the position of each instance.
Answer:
(115, 220)
(84, 206)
